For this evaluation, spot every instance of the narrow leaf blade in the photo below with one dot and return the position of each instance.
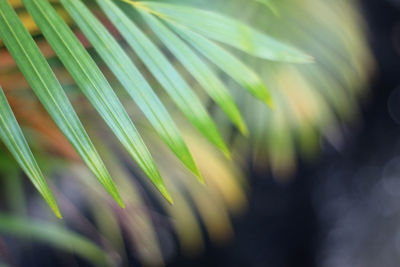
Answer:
(227, 62)
(132, 80)
(226, 30)
(50, 93)
(13, 138)
(94, 85)
(165, 73)
(199, 70)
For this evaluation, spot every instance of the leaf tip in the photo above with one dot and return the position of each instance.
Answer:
(169, 198)
(120, 202)
(198, 174)
(295, 56)
(244, 129)
(200, 178)
(309, 59)
(117, 197)
(227, 153)
(54, 208)
(57, 213)
(48, 197)
(165, 193)
(193, 168)
(305, 59)
(269, 102)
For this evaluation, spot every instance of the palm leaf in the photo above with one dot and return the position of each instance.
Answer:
(165, 73)
(226, 30)
(228, 63)
(45, 85)
(270, 4)
(13, 138)
(199, 70)
(132, 80)
(94, 85)
(55, 235)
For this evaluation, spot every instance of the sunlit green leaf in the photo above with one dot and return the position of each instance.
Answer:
(132, 80)
(226, 30)
(199, 70)
(94, 85)
(165, 73)
(13, 138)
(42, 80)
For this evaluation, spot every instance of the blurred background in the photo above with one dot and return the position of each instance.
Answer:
(317, 182)
(343, 209)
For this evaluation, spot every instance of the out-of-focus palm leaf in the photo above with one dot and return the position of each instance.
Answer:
(39, 75)
(211, 204)
(55, 235)
(165, 73)
(270, 4)
(226, 30)
(132, 80)
(228, 63)
(312, 100)
(13, 138)
(199, 70)
(94, 85)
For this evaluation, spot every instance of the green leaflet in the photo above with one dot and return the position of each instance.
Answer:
(165, 73)
(94, 85)
(270, 4)
(13, 138)
(45, 85)
(227, 62)
(226, 30)
(54, 235)
(131, 78)
(199, 70)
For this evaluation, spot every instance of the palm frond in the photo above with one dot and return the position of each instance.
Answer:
(132, 80)
(94, 85)
(199, 70)
(39, 75)
(165, 73)
(12, 136)
(226, 30)
(228, 63)
(200, 40)
(310, 102)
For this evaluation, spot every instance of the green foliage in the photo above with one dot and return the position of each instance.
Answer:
(165, 73)
(94, 85)
(132, 80)
(55, 235)
(226, 30)
(12, 136)
(44, 83)
(228, 63)
(170, 44)
(193, 24)
(199, 70)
